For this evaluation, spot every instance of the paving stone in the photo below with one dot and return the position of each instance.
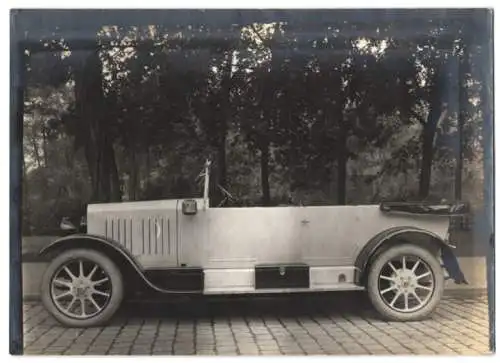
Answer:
(249, 352)
(460, 326)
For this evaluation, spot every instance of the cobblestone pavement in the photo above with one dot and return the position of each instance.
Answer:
(341, 323)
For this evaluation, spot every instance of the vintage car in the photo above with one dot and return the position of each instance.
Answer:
(398, 252)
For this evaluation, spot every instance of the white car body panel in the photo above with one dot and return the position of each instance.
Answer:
(227, 243)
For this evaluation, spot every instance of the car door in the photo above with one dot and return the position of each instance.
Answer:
(323, 236)
(192, 234)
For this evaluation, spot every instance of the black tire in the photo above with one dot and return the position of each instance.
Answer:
(106, 265)
(374, 288)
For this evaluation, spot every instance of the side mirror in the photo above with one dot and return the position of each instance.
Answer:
(189, 207)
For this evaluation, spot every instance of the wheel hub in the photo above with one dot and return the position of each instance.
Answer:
(81, 288)
(405, 281)
(80, 291)
(403, 284)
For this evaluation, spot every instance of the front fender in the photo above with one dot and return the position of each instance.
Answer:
(78, 239)
(112, 249)
(368, 251)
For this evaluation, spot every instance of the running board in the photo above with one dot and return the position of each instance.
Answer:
(278, 278)
(240, 291)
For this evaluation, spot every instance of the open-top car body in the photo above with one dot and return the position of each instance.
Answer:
(398, 252)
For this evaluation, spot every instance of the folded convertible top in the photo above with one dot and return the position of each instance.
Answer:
(439, 209)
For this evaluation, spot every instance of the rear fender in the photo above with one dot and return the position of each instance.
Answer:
(398, 235)
(112, 249)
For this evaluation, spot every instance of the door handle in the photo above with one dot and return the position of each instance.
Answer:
(304, 221)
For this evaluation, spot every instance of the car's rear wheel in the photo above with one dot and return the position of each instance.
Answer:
(82, 287)
(405, 283)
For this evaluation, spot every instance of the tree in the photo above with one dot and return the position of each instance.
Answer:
(313, 112)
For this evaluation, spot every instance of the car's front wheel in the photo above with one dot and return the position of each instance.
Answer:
(405, 283)
(82, 287)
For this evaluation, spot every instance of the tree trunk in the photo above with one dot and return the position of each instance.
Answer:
(44, 147)
(25, 198)
(116, 193)
(91, 127)
(133, 175)
(91, 164)
(264, 174)
(37, 154)
(427, 153)
(459, 157)
(148, 166)
(341, 165)
(103, 164)
(462, 115)
(68, 158)
(224, 115)
(436, 114)
(221, 160)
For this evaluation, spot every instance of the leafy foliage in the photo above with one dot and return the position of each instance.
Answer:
(349, 113)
